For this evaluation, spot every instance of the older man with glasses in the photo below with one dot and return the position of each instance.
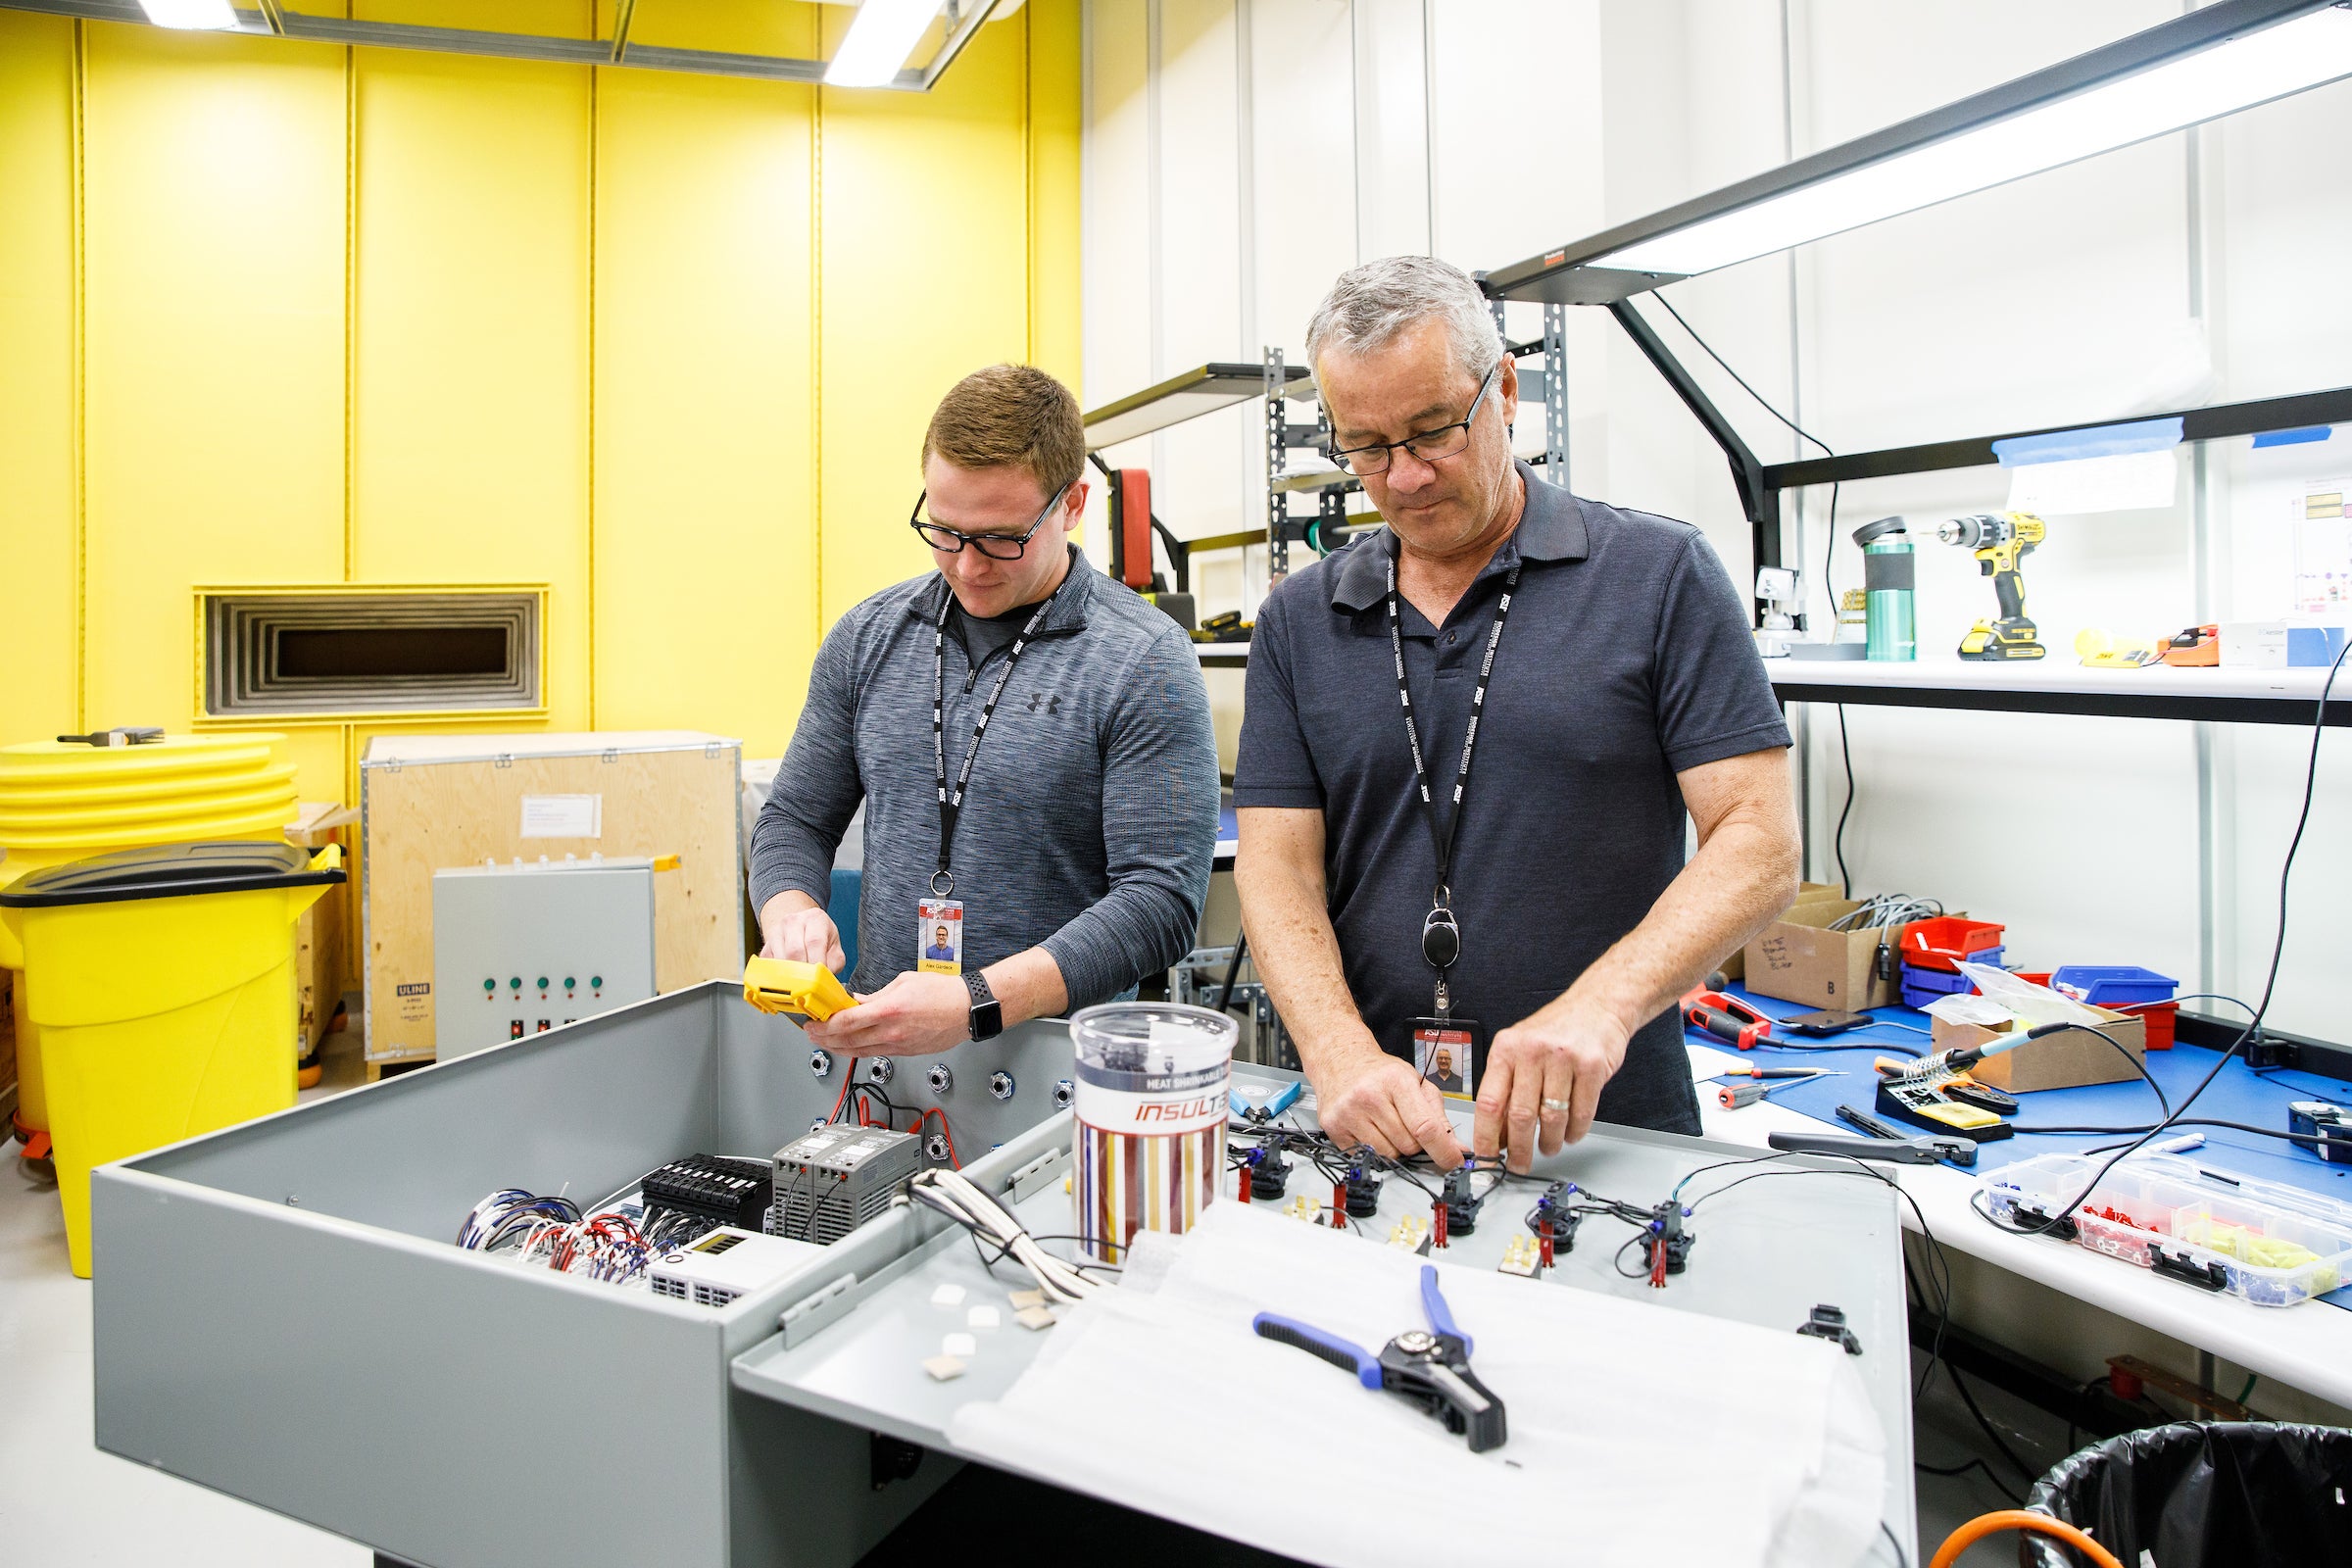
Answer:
(1031, 742)
(1531, 916)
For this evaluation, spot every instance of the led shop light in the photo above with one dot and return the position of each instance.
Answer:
(880, 38)
(2222, 76)
(213, 14)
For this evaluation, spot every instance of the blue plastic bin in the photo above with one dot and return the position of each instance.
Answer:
(1947, 982)
(2113, 985)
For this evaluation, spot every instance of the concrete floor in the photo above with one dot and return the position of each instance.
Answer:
(62, 1501)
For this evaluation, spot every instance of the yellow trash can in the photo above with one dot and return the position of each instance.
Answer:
(162, 981)
(76, 796)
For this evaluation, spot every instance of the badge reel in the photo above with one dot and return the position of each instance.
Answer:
(1444, 1047)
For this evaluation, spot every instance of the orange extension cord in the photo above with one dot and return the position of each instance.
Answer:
(1976, 1529)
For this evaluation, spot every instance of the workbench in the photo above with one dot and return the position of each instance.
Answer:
(2306, 1347)
(278, 1312)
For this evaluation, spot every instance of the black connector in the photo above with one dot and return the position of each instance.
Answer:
(1364, 1186)
(1269, 1171)
(1461, 1203)
(712, 1187)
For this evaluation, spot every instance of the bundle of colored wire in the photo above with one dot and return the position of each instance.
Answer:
(945, 1192)
(551, 1231)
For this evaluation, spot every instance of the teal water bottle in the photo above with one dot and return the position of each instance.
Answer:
(1887, 579)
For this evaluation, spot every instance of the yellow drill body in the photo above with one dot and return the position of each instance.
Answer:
(2000, 540)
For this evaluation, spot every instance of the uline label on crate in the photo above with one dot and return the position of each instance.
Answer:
(562, 816)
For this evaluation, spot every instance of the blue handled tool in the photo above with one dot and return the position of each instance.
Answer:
(1430, 1368)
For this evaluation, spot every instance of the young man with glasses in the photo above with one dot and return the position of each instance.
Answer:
(1032, 744)
(1534, 917)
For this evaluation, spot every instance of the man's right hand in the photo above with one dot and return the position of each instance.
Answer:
(1372, 1098)
(800, 935)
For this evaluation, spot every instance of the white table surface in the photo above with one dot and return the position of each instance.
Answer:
(2306, 1347)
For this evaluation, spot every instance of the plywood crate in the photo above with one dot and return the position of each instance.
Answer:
(433, 802)
(318, 957)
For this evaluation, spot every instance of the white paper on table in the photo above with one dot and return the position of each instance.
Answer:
(2128, 481)
(1638, 1433)
(2033, 1004)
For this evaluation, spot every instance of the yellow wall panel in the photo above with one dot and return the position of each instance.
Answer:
(470, 392)
(924, 249)
(38, 530)
(1054, 124)
(663, 342)
(214, 238)
(706, 611)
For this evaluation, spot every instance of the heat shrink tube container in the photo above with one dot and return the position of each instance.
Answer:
(1887, 579)
(1149, 1146)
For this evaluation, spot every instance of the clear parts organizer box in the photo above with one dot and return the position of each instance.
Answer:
(2272, 1245)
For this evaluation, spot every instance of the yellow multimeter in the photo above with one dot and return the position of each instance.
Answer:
(781, 985)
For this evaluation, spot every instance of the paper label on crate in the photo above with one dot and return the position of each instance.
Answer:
(1177, 1110)
(562, 816)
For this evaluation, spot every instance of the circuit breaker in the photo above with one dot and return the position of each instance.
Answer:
(522, 947)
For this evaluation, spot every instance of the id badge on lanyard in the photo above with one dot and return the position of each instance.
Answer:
(1445, 1044)
(939, 936)
(939, 919)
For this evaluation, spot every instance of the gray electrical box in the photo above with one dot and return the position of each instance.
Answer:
(522, 948)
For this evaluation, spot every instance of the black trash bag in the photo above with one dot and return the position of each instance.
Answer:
(2205, 1494)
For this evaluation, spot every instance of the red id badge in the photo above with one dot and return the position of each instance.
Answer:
(1446, 1052)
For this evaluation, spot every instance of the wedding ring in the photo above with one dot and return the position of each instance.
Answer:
(1555, 1104)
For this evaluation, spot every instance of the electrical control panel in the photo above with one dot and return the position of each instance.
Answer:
(835, 1179)
(524, 947)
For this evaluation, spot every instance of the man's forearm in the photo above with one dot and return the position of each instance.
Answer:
(1740, 879)
(1028, 985)
(1298, 957)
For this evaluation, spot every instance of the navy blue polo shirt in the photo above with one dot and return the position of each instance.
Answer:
(1627, 658)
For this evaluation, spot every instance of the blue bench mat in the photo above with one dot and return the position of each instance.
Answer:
(2240, 1094)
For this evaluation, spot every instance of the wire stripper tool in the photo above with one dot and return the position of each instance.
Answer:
(1425, 1367)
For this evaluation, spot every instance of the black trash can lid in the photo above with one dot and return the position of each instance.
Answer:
(169, 871)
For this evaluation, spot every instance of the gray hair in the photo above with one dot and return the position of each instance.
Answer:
(1371, 303)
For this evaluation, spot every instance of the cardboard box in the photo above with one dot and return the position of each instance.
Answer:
(427, 802)
(1735, 967)
(2065, 1061)
(1798, 959)
(319, 959)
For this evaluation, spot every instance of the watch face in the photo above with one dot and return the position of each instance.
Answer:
(988, 1019)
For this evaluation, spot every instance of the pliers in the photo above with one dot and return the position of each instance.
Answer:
(1429, 1368)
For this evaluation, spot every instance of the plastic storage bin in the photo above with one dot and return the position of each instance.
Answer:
(2160, 1019)
(2113, 985)
(163, 983)
(2272, 1245)
(1942, 943)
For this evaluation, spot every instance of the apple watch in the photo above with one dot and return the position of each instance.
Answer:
(988, 1013)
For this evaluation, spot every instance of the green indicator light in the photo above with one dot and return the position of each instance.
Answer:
(596, 982)
(569, 983)
(543, 982)
(489, 985)
(516, 982)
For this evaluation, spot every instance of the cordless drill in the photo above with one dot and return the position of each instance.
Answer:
(2001, 541)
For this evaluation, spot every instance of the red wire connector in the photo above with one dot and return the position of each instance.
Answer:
(1339, 1205)
(1437, 1224)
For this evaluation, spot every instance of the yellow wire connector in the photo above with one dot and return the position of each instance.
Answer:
(779, 985)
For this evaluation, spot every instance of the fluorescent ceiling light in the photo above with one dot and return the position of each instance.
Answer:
(880, 38)
(2233, 75)
(213, 15)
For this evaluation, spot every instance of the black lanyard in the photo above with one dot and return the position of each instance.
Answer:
(943, 881)
(1440, 933)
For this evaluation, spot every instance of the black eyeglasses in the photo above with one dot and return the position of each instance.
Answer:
(1429, 446)
(995, 546)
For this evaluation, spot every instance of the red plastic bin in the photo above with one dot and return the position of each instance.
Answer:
(2160, 1019)
(1942, 943)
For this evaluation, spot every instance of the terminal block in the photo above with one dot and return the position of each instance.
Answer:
(1268, 1170)
(1364, 1186)
(1411, 1235)
(1521, 1255)
(1462, 1201)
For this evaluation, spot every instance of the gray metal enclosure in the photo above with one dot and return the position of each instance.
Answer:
(279, 1313)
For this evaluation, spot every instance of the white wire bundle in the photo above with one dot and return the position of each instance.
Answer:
(953, 1194)
(1887, 908)
(549, 1233)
